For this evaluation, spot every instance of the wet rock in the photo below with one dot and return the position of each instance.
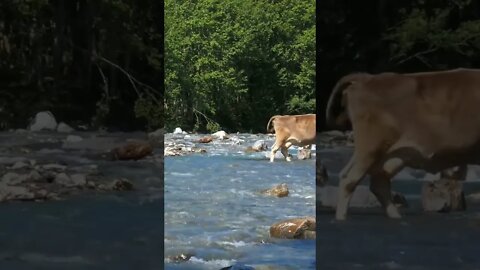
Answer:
(54, 167)
(362, 197)
(443, 195)
(180, 258)
(73, 139)
(259, 146)
(304, 154)
(43, 121)
(295, 228)
(178, 131)
(156, 138)
(321, 174)
(278, 191)
(222, 135)
(19, 165)
(121, 184)
(205, 139)
(64, 180)
(64, 128)
(79, 179)
(11, 178)
(8, 193)
(133, 151)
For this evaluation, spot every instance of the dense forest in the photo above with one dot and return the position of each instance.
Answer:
(233, 64)
(93, 62)
(393, 36)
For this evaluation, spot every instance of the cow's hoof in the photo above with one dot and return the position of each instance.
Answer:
(289, 159)
(340, 217)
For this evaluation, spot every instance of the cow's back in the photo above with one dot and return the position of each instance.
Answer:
(437, 110)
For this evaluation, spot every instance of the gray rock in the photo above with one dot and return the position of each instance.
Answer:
(260, 145)
(222, 135)
(73, 138)
(443, 195)
(11, 178)
(64, 180)
(8, 193)
(79, 179)
(304, 154)
(43, 121)
(19, 165)
(178, 131)
(64, 128)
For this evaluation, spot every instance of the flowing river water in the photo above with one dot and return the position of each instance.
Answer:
(215, 213)
(420, 240)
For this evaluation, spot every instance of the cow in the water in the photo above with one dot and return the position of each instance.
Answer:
(428, 121)
(298, 130)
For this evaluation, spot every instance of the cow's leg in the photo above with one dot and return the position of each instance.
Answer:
(380, 185)
(350, 176)
(285, 153)
(277, 145)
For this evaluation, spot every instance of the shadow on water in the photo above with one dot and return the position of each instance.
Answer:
(420, 240)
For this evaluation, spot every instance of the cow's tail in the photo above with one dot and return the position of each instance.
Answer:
(268, 124)
(336, 114)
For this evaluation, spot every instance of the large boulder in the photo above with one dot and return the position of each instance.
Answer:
(295, 228)
(178, 131)
(43, 121)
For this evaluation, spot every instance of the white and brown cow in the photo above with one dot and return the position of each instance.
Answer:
(428, 121)
(299, 130)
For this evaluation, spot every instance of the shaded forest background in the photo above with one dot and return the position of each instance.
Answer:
(93, 62)
(233, 64)
(393, 36)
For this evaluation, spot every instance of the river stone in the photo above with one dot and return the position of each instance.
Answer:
(321, 174)
(64, 128)
(8, 193)
(19, 165)
(205, 139)
(79, 179)
(121, 184)
(180, 258)
(132, 151)
(177, 131)
(443, 195)
(11, 178)
(54, 167)
(304, 154)
(222, 135)
(259, 146)
(43, 121)
(64, 180)
(295, 228)
(362, 197)
(278, 191)
(73, 139)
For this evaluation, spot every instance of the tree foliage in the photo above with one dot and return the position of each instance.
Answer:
(233, 64)
(394, 36)
(84, 60)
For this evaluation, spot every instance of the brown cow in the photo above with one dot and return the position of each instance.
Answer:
(428, 121)
(299, 130)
